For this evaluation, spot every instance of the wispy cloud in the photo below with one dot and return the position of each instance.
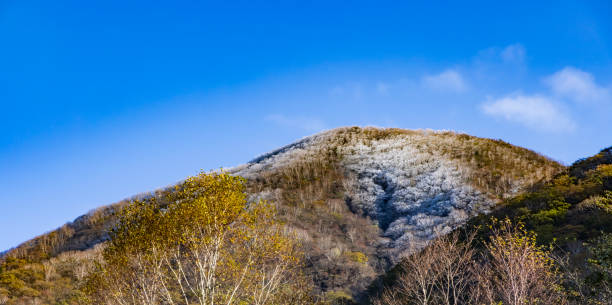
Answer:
(304, 123)
(577, 85)
(514, 53)
(449, 80)
(537, 112)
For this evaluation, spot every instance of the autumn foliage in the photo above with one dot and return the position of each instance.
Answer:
(200, 244)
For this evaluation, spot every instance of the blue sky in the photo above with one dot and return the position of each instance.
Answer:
(104, 100)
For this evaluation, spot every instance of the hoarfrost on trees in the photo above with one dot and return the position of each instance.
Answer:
(404, 183)
(413, 193)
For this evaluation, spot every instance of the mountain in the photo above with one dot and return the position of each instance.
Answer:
(569, 217)
(359, 199)
(392, 190)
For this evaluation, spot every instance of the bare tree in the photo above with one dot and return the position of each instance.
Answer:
(513, 270)
(441, 273)
(454, 268)
(517, 271)
(389, 296)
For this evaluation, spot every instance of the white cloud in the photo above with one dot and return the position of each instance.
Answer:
(537, 112)
(449, 80)
(307, 124)
(577, 85)
(514, 53)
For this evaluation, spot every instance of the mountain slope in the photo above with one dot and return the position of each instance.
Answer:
(413, 183)
(571, 215)
(408, 186)
(358, 198)
(572, 208)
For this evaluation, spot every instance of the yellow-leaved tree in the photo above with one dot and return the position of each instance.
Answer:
(201, 243)
(517, 270)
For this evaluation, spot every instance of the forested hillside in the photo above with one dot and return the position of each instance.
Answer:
(557, 237)
(356, 200)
